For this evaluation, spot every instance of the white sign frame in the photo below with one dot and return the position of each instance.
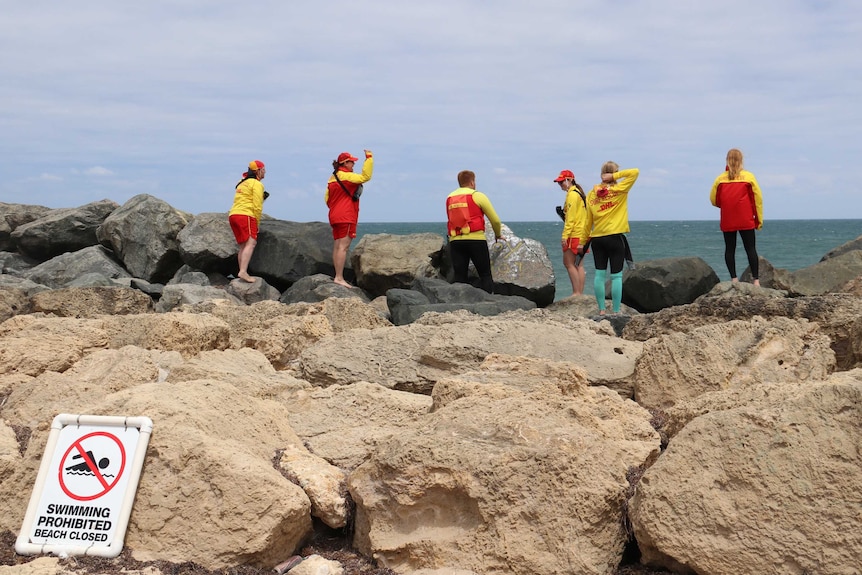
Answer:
(105, 514)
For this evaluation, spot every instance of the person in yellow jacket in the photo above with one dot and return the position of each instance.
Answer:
(244, 216)
(575, 219)
(465, 213)
(606, 226)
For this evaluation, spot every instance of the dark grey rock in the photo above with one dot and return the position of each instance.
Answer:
(312, 289)
(666, 282)
(207, 244)
(16, 264)
(254, 292)
(14, 215)
(852, 245)
(289, 251)
(174, 296)
(154, 290)
(59, 271)
(91, 279)
(61, 231)
(187, 275)
(143, 234)
(826, 276)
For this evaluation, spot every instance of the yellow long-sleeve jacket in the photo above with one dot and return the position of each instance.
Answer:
(607, 206)
(248, 199)
(576, 215)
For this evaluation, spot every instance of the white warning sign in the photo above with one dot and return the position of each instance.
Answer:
(86, 486)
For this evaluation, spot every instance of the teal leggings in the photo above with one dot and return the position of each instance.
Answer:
(616, 290)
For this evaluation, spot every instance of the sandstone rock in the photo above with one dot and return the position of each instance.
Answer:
(344, 424)
(457, 491)
(59, 271)
(323, 483)
(769, 487)
(186, 333)
(680, 366)
(143, 233)
(14, 215)
(32, 345)
(317, 565)
(385, 261)
(289, 251)
(61, 231)
(838, 315)
(92, 302)
(206, 243)
(14, 301)
(319, 287)
(657, 284)
(414, 357)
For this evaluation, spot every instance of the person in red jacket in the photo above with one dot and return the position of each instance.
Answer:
(737, 194)
(342, 196)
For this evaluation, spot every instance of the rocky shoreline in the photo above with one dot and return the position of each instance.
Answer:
(432, 428)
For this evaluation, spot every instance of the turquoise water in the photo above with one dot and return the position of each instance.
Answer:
(788, 244)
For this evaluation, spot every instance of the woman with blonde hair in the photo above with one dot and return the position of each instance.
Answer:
(737, 194)
(606, 226)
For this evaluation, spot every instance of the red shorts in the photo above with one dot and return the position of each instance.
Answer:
(343, 230)
(572, 244)
(244, 227)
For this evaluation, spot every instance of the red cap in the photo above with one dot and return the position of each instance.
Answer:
(255, 165)
(565, 175)
(345, 157)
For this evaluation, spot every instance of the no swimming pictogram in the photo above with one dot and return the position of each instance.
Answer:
(92, 466)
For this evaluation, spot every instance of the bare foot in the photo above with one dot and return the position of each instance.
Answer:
(602, 312)
(246, 278)
(734, 280)
(343, 283)
(757, 283)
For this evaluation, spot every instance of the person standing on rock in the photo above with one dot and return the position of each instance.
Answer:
(342, 197)
(736, 193)
(244, 216)
(606, 226)
(465, 211)
(575, 211)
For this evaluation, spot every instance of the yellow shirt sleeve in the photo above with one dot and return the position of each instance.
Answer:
(483, 202)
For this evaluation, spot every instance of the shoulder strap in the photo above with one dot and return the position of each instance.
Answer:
(343, 187)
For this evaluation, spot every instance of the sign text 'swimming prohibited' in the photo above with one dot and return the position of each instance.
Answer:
(86, 486)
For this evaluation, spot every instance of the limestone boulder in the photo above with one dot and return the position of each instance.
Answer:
(385, 261)
(838, 315)
(14, 215)
(143, 234)
(772, 486)
(501, 480)
(344, 424)
(415, 356)
(63, 230)
(319, 287)
(32, 344)
(681, 366)
(289, 251)
(61, 270)
(92, 302)
(656, 284)
(14, 301)
(186, 333)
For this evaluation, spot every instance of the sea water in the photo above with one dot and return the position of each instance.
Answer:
(787, 244)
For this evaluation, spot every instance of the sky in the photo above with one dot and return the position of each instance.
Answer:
(101, 99)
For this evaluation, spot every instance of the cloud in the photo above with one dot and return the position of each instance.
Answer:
(98, 171)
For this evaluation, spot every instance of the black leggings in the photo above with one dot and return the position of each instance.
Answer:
(609, 248)
(463, 251)
(749, 243)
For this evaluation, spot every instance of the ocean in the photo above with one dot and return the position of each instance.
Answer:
(787, 244)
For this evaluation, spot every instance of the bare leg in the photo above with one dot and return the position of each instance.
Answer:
(244, 257)
(577, 274)
(339, 257)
